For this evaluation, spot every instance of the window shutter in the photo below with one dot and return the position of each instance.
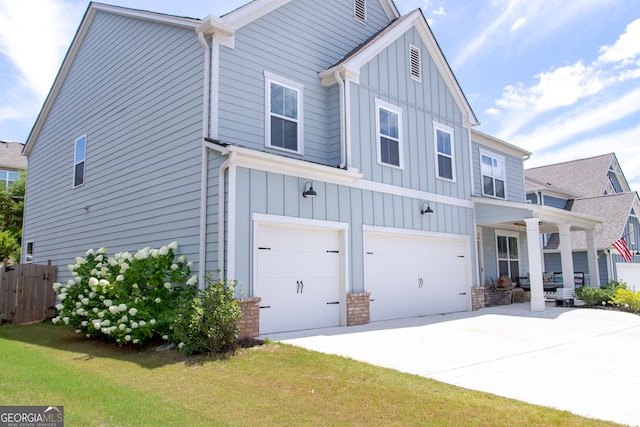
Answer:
(415, 63)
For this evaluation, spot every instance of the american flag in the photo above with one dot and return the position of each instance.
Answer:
(623, 250)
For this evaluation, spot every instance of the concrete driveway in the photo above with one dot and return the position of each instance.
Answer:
(581, 360)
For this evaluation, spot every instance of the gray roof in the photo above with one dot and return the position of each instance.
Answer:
(575, 179)
(11, 156)
(612, 209)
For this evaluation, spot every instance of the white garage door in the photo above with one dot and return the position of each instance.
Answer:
(629, 273)
(298, 278)
(415, 276)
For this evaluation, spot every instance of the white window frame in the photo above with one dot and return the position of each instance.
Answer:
(7, 182)
(380, 104)
(493, 156)
(76, 162)
(28, 252)
(444, 128)
(363, 7)
(289, 84)
(507, 234)
(417, 77)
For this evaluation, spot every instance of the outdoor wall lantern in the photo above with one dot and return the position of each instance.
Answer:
(425, 211)
(310, 192)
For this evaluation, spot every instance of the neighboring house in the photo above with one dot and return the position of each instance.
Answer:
(11, 162)
(320, 154)
(595, 186)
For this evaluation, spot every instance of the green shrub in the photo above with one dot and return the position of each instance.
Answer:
(208, 323)
(127, 298)
(627, 298)
(599, 296)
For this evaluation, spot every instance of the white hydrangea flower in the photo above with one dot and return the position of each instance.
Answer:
(112, 262)
(103, 282)
(92, 295)
(167, 285)
(77, 279)
(136, 341)
(133, 311)
(96, 324)
(107, 302)
(154, 253)
(55, 320)
(120, 278)
(100, 258)
(90, 252)
(124, 267)
(181, 345)
(124, 319)
(158, 300)
(164, 250)
(94, 309)
(102, 250)
(190, 264)
(62, 296)
(127, 337)
(101, 314)
(59, 306)
(165, 337)
(104, 271)
(94, 272)
(142, 323)
(134, 325)
(152, 321)
(79, 261)
(71, 267)
(113, 309)
(122, 326)
(57, 286)
(93, 282)
(122, 307)
(84, 323)
(182, 259)
(85, 301)
(174, 267)
(173, 245)
(193, 280)
(105, 322)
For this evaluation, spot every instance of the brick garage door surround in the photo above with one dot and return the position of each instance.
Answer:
(358, 309)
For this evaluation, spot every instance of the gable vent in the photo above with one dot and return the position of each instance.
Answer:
(360, 10)
(415, 63)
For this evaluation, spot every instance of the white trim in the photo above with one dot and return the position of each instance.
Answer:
(259, 219)
(413, 233)
(299, 120)
(76, 163)
(504, 178)
(26, 251)
(382, 105)
(413, 48)
(283, 165)
(231, 222)
(248, 13)
(497, 144)
(507, 233)
(437, 126)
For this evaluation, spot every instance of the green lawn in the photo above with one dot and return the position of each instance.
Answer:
(104, 385)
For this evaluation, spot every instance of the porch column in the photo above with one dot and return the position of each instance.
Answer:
(592, 259)
(535, 264)
(566, 256)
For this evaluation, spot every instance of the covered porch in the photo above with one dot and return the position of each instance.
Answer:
(510, 236)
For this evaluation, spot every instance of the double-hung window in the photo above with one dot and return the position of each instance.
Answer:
(445, 160)
(508, 255)
(389, 134)
(79, 160)
(284, 114)
(493, 175)
(7, 178)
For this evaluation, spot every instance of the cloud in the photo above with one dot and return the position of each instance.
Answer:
(626, 48)
(578, 122)
(34, 36)
(439, 11)
(519, 23)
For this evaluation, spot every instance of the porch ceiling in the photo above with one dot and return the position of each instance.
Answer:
(511, 215)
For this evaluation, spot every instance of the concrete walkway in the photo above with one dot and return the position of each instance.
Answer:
(582, 360)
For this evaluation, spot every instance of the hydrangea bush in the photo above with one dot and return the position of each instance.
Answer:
(127, 298)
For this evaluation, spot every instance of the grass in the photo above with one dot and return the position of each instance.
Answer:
(104, 385)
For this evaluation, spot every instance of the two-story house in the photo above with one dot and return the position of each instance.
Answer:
(320, 154)
(593, 186)
(12, 162)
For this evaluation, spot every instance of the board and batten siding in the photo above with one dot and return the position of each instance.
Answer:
(387, 77)
(553, 262)
(296, 41)
(135, 90)
(514, 170)
(277, 194)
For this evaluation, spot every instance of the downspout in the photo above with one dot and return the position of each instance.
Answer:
(343, 112)
(204, 177)
(221, 217)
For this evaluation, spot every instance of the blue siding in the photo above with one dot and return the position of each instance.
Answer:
(553, 262)
(135, 90)
(514, 170)
(316, 35)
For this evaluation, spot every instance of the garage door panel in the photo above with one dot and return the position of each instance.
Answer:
(630, 274)
(298, 278)
(413, 276)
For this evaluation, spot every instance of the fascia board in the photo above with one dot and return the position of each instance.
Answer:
(279, 164)
(390, 9)
(251, 11)
(149, 16)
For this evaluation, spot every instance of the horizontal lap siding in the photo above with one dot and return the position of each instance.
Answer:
(387, 77)
(277, 194)
(514, 172)
(296, 41)
(135, 90)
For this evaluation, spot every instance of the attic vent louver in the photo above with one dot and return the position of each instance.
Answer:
(415, 63)
(360, 10)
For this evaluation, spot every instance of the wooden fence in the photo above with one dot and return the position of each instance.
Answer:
(26, 292)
